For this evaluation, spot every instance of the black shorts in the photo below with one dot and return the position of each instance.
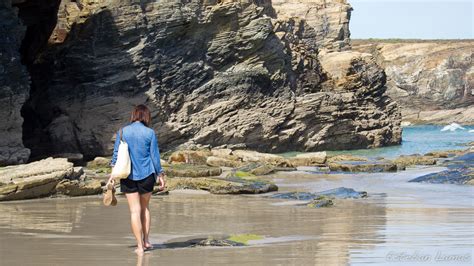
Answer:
(141, 186)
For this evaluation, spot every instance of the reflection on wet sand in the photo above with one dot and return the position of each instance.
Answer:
(397, 215)
(292, 234)
(54, 215)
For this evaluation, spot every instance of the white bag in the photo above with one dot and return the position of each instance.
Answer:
(122, 167)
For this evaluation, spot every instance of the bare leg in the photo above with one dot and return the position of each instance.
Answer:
(135, 210)
(146, 219)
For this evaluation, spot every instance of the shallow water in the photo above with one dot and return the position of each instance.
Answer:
(417, 139)
(420, 220)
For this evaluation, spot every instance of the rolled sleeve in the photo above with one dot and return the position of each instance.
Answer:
(155, 154)
(116, 146)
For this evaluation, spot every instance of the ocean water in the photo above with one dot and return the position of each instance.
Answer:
(420, 140)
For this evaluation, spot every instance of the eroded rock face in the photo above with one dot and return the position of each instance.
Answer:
(228, 72)
(14, 87)
(433, 81)
(329, 19)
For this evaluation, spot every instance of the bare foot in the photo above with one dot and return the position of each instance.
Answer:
(139, 251)
(147, 245)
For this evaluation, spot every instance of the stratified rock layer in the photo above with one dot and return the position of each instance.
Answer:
(433, 81)
(219, 73)
(33, 180)
(329, 19)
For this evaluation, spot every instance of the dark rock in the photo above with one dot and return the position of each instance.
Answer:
(14, 87)
(454, 176)
(460, 171)
(343, 193)
(295, 196)
(219, 243)
(321, 202)
(339, 193)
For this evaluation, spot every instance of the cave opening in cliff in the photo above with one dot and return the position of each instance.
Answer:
(39, 18)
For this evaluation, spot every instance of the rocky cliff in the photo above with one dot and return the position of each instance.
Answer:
(242, 73)
(433, 81)
(14, 87)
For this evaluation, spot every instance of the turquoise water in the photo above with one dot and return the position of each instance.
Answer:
(420, 139)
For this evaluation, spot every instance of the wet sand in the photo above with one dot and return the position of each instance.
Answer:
(398, 217)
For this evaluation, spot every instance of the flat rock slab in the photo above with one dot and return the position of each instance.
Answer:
(295, 196)
(363, 166)
(454, 176)
(256, 168)
(33, 180)
(218, 243)
(228, 185)
(343, 193)
(339, 193)
(409, 160)
(189, 170)
(460, 171)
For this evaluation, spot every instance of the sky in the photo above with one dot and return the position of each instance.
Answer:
(412, 19)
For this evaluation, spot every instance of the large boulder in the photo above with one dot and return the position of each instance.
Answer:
(33, 180)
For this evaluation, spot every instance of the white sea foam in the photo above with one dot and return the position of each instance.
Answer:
(453, 127)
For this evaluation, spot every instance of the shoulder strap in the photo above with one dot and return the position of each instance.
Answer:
(121, 134)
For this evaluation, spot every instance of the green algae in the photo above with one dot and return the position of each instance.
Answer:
(244, 238)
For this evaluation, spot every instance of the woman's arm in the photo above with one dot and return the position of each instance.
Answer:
(155, 154)
(116, 146)
(114, 156)
(155, 157)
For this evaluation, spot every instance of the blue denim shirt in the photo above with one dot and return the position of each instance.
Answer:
(143, 150)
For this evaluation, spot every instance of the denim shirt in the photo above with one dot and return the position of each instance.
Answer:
(143, 150)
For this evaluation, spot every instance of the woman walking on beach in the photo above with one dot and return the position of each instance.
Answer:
(145, 171)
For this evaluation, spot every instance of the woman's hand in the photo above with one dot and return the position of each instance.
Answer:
(110, 181)
(161, 181)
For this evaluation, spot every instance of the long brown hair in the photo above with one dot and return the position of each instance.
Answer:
(141, 113)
